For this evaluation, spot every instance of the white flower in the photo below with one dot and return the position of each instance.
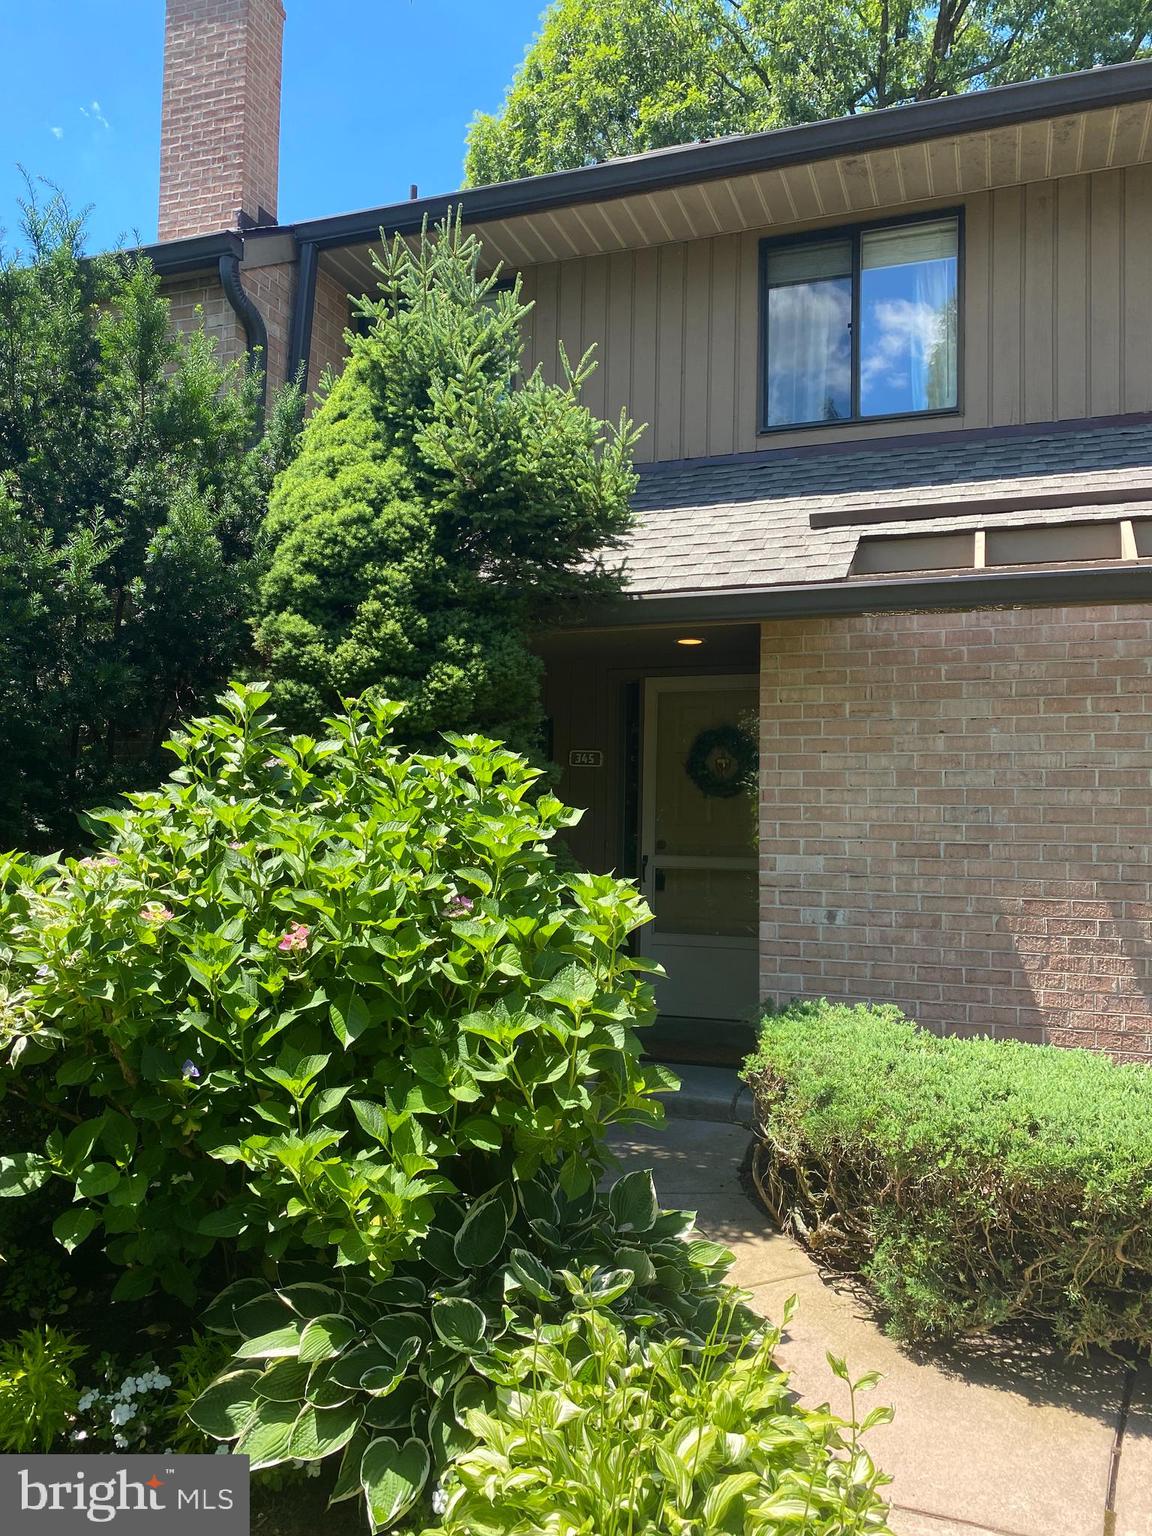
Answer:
(439, 1502)
(129, 1387)
(160, 1381)
(121, 1443)
(122, 1413)
(86, 1402)
(222, 1450)
(79, 1434)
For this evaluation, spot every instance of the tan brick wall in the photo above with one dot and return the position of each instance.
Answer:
(220, 119)
(329, 322)
(955, 817)
(272, 290)
(199, 299)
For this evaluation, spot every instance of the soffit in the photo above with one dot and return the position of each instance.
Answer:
(812, 192)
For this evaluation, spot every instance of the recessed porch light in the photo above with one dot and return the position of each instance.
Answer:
(689, 640)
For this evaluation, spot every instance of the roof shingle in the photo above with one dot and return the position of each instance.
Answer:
(745, 523)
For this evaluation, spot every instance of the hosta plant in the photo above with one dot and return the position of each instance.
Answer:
(383, 1373)
(594, 1430)
(308, 991)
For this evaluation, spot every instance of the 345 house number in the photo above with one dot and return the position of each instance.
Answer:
(585, 757)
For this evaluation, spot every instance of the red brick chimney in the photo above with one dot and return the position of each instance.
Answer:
(220, 126)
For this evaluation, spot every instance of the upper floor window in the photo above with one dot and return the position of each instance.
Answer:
(862, 324)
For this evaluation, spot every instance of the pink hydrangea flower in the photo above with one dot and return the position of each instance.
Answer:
(156, 912)
(295, 938)
(105, 861)
(460, 906)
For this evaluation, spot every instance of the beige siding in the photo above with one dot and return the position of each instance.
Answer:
(1057, 312)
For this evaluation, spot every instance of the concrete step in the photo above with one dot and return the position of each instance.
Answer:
(709, 1093)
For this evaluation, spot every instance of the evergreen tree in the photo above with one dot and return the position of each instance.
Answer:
(131, 501)
(441, 507)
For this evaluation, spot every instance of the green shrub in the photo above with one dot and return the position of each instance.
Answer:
(442, 507)
(327, 1365)
(596, 1431)
(972, 1182)
(310, 989)
(38, 1392)
(132, 497)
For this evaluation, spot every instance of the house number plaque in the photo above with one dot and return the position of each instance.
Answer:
(585, 757)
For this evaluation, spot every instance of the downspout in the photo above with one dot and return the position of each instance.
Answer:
(303, 307)
(252, 320)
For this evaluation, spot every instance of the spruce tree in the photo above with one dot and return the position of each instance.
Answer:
(441, 508)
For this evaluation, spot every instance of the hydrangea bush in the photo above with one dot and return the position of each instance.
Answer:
(310, 990)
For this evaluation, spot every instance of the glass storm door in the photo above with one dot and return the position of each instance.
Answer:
(699, 869)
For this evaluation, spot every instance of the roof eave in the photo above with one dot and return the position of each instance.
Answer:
(985, 589)
(1089, 90)
(197, 253)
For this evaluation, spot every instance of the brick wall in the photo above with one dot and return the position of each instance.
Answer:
(220, 118)
(272, 289)
(199, 299)
(955, 817)
(329, 322)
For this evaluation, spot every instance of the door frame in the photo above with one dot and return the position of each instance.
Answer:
(647, 862)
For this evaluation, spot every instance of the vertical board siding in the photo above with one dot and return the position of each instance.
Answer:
(1006, 308)
(1136, 276)
(1038, 358)
(1057, 317)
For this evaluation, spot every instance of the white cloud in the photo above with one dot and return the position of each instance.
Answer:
(901, 330)
(57, 133)
(95, 115)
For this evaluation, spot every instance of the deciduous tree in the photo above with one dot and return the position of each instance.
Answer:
(615, 77)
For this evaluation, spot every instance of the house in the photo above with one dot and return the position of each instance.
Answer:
(895, 522)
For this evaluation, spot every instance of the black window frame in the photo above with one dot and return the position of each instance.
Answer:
(854, 234)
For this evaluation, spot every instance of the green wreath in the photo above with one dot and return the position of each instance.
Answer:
(721, 761)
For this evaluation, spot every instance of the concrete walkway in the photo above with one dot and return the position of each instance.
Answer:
(1004, 1442)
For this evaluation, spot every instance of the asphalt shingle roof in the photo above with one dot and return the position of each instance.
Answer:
(744, 523)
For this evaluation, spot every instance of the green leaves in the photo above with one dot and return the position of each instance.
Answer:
(324, 1337)
(468, 500)
(22, 1173)
(393, 1476)
(141, 477)
(349, 1017)
(72, 1226)
(381, 992)
(224, 1408)
(459, 1323)
(595, 1418)
(972, 1183)
(632, 1201)
(483, 1232)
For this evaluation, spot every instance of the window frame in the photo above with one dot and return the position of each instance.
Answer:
(854, 233)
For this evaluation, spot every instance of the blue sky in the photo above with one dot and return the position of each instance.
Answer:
(377, 95)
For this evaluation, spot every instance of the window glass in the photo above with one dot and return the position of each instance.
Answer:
(809, 332)
(908, 318)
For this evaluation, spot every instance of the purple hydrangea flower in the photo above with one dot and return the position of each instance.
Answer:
(189, 1070)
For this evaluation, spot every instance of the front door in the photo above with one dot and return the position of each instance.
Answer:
(698, 862)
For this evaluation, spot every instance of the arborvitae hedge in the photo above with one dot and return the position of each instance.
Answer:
(971, 1182)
